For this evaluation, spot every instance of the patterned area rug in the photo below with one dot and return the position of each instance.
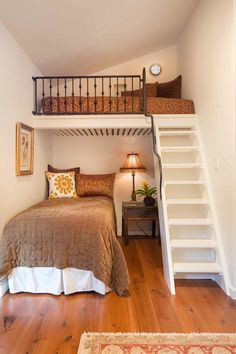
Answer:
(157, 343)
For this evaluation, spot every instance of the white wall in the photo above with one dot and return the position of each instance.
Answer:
(234, 194)
(16, 92)
(206, 59)
(166, 57)
(105, 155)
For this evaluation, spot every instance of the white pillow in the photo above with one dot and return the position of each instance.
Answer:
(61, 185)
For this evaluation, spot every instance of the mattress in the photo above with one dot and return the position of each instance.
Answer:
(90, 105)
(67, 233)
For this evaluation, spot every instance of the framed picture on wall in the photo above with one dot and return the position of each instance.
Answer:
(24, 149)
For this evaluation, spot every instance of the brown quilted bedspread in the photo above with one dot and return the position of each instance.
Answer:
(78, 233)
(155, 105)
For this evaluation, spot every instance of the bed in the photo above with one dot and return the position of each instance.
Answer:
(64, 245)
(108, 94)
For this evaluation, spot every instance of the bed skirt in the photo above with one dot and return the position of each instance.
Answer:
(54, 281)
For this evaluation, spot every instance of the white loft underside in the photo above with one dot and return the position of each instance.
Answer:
(111, 121)
(100, 132)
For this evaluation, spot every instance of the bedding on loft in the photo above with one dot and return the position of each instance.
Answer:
(114, 94)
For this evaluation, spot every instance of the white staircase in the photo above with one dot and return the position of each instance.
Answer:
(191, 244)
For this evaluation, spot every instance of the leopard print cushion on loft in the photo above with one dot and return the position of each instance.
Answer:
(77, 105)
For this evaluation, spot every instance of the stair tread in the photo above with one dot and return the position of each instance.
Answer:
(181, 165)
(187, 201)
(179, 148)
(193, 243)
(185, 182)
(201, 267)
(177, 132)
(190, 221)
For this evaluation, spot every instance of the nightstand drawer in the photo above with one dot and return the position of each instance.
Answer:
(143, 213)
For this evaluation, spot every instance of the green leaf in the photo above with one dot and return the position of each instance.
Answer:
(140, 193)
(146, 190)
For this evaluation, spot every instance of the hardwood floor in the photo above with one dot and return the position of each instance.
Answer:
(53, 324)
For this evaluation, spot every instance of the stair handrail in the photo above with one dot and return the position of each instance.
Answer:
(154, 139)
(154, 148)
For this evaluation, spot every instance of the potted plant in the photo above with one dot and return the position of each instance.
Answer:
(148, 192)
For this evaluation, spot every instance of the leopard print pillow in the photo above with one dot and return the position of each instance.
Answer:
(91, 185)
(151, 91)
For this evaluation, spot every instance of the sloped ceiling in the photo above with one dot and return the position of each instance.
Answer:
(85, 36)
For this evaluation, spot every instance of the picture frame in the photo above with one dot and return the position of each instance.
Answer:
(24, 149)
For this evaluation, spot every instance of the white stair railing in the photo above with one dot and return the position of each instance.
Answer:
(164, 231)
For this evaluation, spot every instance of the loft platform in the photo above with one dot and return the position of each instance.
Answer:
(112, 121)
(91, 121)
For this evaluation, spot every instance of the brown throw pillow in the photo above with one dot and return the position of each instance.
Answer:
(151, 91)
(91, 185)
(171, 89)
(63, 170)
(134, 93)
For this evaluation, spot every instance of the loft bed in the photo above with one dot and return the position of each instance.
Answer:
(58, 101)
(105, 95)
(104, 100)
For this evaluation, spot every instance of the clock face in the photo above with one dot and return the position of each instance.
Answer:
(155, 69)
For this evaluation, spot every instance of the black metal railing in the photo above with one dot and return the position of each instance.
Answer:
(154, 148)
(108, 94)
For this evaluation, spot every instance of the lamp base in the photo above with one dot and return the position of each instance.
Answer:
(133, 201)
(133, 196)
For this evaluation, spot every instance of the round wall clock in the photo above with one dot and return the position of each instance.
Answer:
(155, 69)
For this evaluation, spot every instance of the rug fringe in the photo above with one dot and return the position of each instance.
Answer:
(163, 333)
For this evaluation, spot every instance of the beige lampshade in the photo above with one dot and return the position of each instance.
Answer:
(133, 164)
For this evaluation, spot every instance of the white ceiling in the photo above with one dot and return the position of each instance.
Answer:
(85, 36)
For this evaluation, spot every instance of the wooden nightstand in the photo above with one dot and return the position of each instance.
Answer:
(137, 211)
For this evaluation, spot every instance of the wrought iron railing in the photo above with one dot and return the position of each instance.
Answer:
(73, 95)
(154, 148)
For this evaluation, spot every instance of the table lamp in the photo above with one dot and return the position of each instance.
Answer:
(133, 165)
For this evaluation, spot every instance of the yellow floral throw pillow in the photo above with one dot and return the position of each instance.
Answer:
(61, 185)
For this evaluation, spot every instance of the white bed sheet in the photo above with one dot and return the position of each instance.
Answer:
(54, 281)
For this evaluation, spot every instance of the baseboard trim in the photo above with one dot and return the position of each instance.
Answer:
(3, 286)
(232, 292)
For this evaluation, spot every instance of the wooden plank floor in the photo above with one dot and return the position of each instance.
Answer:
(53, 324)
